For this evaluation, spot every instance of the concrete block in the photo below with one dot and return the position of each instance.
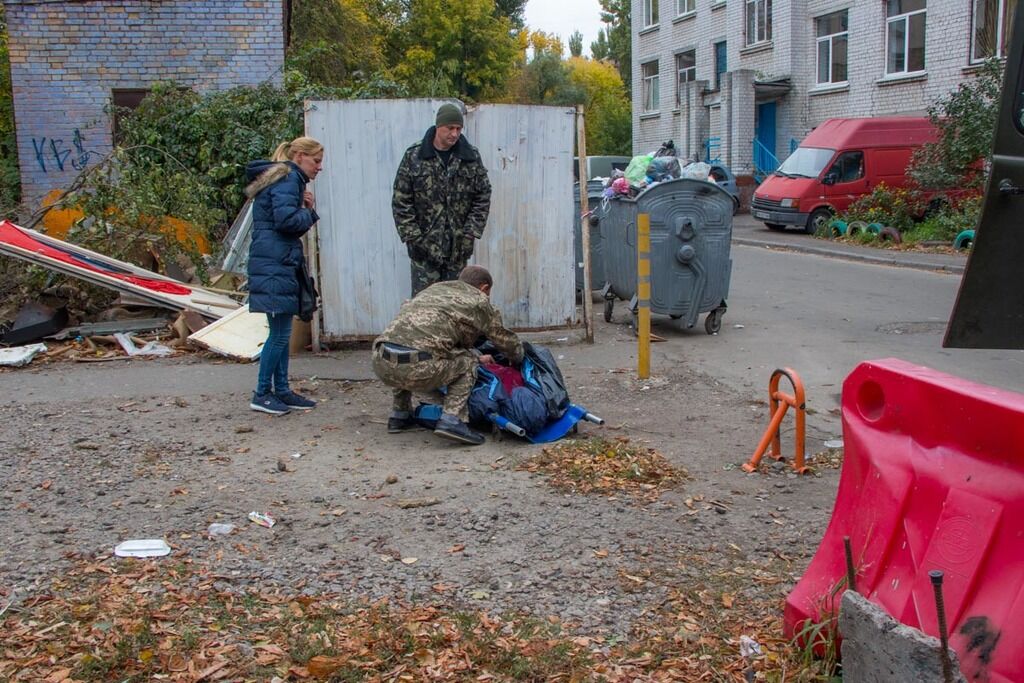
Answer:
(878, 649)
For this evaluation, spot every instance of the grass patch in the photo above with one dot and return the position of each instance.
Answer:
(606, 467)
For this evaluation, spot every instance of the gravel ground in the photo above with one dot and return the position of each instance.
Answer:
(82, 474)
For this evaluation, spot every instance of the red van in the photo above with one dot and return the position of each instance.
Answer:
(837, 163)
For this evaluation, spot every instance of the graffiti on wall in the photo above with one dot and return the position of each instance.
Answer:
(59, 154)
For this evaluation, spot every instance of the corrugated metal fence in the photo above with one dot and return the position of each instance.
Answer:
(527, 246)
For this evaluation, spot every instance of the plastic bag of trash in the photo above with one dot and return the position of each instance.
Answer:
(697, 170)
(663, 168)
(637, 169)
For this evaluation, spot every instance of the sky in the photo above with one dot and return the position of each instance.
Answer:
(562, 17)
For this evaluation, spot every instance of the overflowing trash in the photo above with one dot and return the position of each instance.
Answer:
(647, 170)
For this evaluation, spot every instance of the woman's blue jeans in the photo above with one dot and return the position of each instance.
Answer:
(274, 357)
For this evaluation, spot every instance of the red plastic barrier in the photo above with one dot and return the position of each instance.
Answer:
(933, 478)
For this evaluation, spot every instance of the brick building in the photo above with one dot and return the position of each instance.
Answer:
(744, 80)
(71, 60)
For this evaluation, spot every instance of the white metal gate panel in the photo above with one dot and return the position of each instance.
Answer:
(527, 245)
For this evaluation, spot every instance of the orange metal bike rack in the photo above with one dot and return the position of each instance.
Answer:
(778, 403)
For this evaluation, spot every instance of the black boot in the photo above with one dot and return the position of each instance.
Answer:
(452, 428)
(401, 423)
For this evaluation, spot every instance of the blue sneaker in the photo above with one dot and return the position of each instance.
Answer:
(295, 401)
(268, 403)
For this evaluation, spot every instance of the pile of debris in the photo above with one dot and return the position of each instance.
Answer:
(154, 315)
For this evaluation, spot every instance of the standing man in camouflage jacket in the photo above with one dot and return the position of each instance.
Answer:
(430, 345)
(441, 200)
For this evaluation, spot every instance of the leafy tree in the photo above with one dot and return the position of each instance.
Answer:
(966, 120)
(545, 80)
(460, 49)
(512, 10)
(10, 179)
(616, 15)
(334, 41)
(576, 44)
(607, 106)
(599, 48)
(545, 44)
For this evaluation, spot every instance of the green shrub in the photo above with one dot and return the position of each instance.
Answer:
(945, 224)
(895, 208)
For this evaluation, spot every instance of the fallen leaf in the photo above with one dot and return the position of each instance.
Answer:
(323, 666)
(727, 600)
(603, 552)
(410, 560)
(457, 548)
(479, 595)
(46, 485)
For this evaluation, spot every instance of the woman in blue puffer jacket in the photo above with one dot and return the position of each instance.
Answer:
(282, 211)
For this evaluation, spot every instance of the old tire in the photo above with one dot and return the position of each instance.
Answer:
(855, 228)
(817, 222)
(964, 240)
(890, 234)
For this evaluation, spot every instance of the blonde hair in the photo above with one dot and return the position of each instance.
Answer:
(287, 150)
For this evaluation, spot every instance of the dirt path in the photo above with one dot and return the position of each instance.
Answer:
(84, 474)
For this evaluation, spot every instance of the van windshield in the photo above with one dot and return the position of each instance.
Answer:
(805, 162)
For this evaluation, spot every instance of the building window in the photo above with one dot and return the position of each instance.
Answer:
(686, 70)
(720, 63)
(650, 13)
(992, 21)
(759, 21)
(650, 93)
(685, 7)
(904, 36)
(831, 30)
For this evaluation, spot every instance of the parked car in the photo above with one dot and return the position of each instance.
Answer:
(839, 162)
(727, 181)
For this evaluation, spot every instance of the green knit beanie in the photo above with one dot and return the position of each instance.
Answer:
(448, 115)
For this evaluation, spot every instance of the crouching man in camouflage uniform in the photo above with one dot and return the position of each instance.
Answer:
(441, 200)
(430, 345)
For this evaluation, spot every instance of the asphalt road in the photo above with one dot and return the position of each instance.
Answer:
(823, 315)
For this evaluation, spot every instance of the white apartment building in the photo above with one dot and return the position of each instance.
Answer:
(739, 79)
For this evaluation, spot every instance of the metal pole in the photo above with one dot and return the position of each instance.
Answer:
(581, 151)
(643, 294)
(940, 611)
(851, 573)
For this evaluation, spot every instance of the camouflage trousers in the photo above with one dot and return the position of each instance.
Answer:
(425, 274)
(458, 374)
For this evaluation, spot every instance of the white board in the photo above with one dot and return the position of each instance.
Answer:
(527, 245)
(239, 335)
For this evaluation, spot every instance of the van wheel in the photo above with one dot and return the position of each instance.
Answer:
(817, 222)
(778, 227)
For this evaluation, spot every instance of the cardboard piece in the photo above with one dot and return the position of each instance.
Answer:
(239, 334)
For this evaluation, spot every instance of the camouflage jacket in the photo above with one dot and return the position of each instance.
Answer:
(449, 316)
(439, 210)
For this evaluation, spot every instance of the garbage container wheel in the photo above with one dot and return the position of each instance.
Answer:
(713, 321)
(676, 316)
(609, 307)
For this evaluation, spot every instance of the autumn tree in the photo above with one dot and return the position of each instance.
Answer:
(607, 105)
(10, 184)
(464, 49)
(599, 48)
(337, 42)
(616, 16)
(576, 44)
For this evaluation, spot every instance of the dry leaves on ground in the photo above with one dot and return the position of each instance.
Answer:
(606, 467)
(131, 620)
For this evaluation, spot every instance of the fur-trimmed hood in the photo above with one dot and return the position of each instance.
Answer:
(263, 174)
